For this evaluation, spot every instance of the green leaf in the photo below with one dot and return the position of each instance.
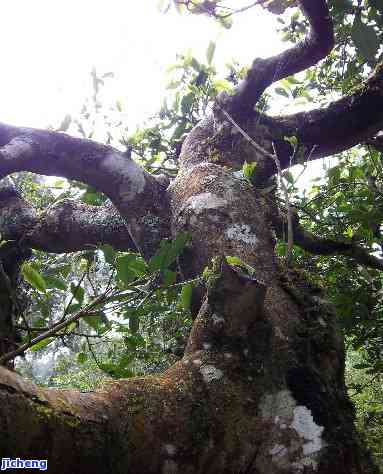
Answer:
(63, 127)
(169, 277)
(41, 344)
(222, 85)
(81, 357)
(195, 64)
(210, 52)
(33, 277)
(185, 296)
(93, 198)
(109, 253)
(168, 252)
(73, 308)
(186, 103)
(78, 292)
(287, 175)
(281, 91)
(130, 266)
(233, 260)
(63, 270)
(248, 169)
(55, 282)
(365, 39)
(134, 323)
(293, 140)
(237, 262)
(97, 321)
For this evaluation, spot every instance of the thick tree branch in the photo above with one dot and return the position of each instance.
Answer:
(67, 226)
(140, 199)
(265, 72)
(343, 124)
(319, 246)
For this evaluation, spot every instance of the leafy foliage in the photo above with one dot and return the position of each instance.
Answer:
(142, 325)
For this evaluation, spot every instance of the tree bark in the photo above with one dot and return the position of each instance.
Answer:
(11, 298)
(260, 388)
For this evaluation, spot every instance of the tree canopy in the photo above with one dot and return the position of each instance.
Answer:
(103, 267)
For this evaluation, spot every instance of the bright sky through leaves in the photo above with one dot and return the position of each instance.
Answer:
(49, 48)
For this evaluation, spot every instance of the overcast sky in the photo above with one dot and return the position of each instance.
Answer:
(49, 48)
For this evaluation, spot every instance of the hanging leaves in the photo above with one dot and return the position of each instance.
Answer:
(33, 277)
(365, 39)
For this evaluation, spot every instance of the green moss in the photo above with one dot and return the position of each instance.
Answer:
(214, 156)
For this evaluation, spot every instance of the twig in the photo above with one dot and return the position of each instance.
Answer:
(274, 157)
(53, 331)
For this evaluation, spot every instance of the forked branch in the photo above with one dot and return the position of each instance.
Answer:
(66, 226)
(137, 195)
(320, 246)
(264, 72)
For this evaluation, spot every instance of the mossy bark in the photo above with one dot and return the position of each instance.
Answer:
(260, 388)
(11, 257)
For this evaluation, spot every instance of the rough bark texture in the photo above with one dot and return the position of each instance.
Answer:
(68, 226)
(260, 388)
(11, 297)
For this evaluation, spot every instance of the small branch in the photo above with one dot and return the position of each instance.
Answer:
(54, 330)
(135, 193)
(274, 157)
(319, 246)
(290, 233)
(347, 122)
(265, 72)
(65, 226)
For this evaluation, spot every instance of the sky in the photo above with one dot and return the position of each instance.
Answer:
(49, 48)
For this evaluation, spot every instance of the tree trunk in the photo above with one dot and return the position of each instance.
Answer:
(260, 388)
(11, 257)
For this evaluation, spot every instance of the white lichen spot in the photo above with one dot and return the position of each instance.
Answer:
(278, 450)
(170, 449)
(301, 452)
(227, 355)
(169, 467)
(203, 201)
(210, 373)
(322, 322)
(206, 346)
(303, 423)
(280, 404)
(246, 352)
(279, 334)
(129, 175)
(305, 462)
(217, 319)
(242, 233)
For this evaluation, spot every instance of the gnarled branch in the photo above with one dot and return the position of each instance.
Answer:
(319, 246)
(265, 72)
(137, 195)
(343, 124)
(66, 226)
